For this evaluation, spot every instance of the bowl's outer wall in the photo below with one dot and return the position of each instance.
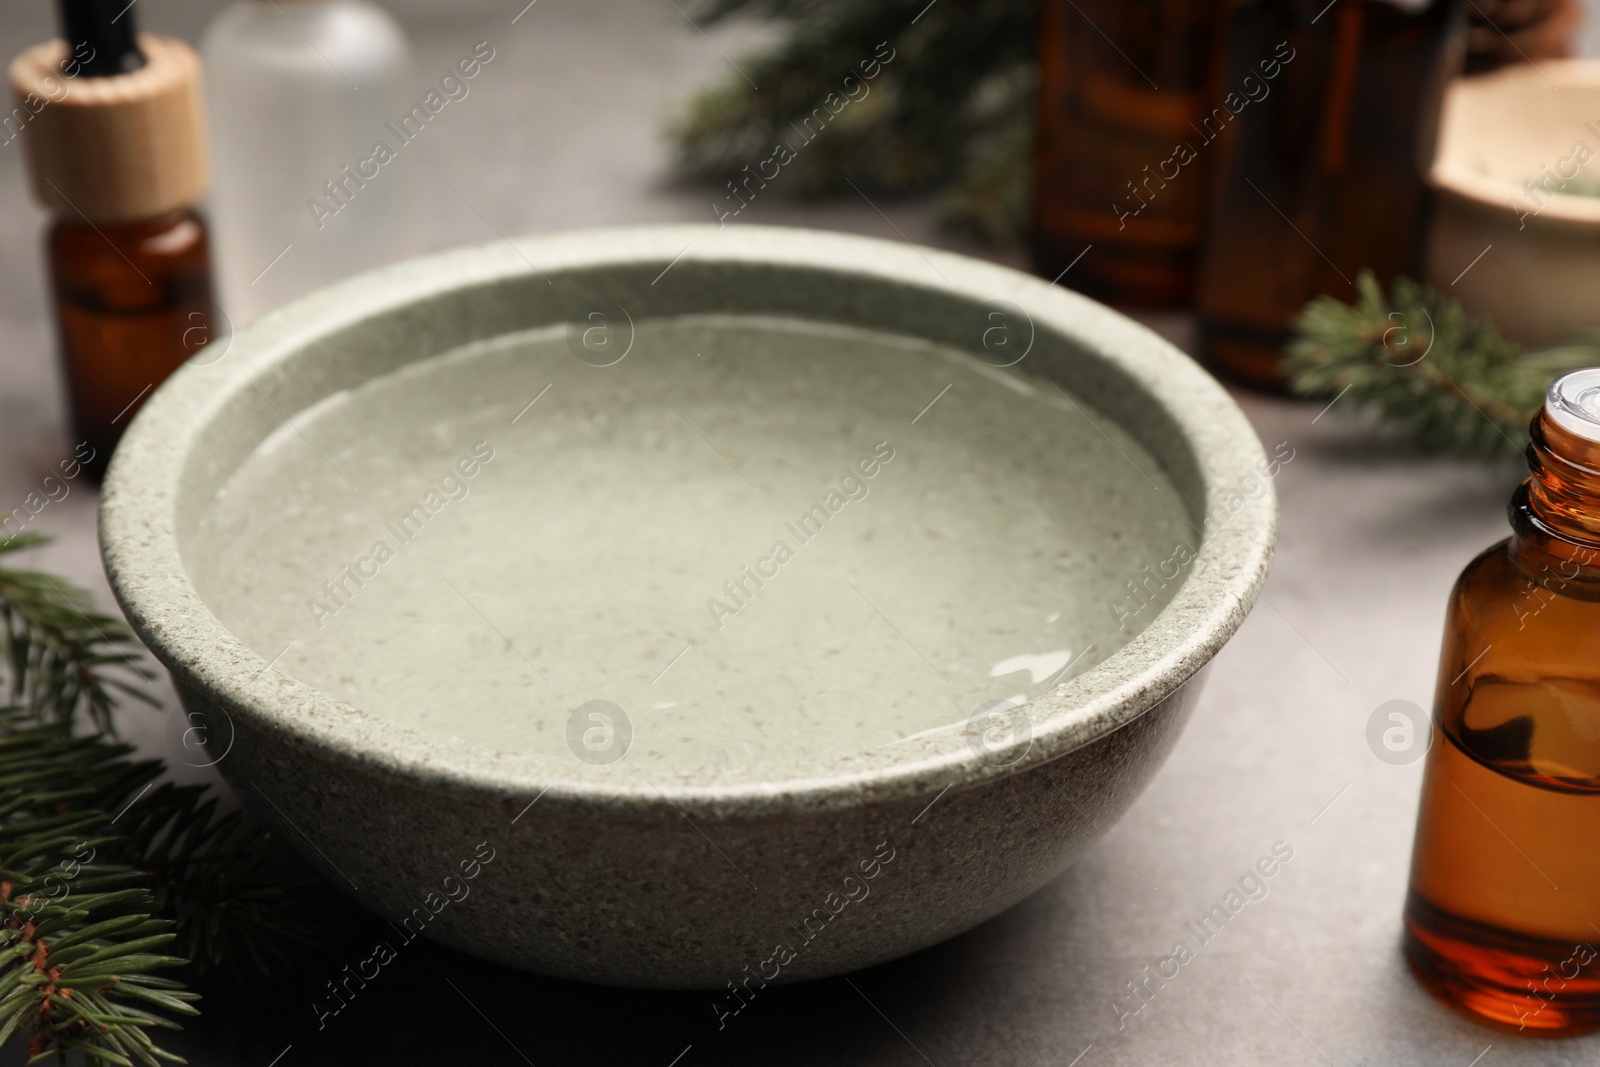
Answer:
(701, 903)
(1497, 132)
(1539, 286)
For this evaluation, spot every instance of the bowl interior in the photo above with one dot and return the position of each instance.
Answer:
(744, 519)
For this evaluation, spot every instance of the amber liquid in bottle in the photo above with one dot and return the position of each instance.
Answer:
(1120, 83)
(1503, 914)
(1322, 176)
(133, 302)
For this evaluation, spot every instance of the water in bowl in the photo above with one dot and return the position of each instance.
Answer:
(759, 542)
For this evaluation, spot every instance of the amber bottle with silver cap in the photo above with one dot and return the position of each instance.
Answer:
(115, 140)
(1503, 914)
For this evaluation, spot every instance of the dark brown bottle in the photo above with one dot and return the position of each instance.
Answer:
(1120, 84)
(1503, 914)
(133, 301)
(115, 145)
(1323, 176)
(1506, 32)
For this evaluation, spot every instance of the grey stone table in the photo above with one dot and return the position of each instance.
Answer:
(563, 132)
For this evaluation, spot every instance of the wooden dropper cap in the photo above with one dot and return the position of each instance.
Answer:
(118, 147)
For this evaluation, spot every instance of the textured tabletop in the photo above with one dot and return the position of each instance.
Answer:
(564, 133)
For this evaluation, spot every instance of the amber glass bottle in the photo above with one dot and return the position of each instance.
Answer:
(1503, 915)
(1120, 84)
(133, 301)
(1322, 175)
(116, 149)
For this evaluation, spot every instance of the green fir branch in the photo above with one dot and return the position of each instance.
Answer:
(1449, 382)
(990, 198)
(61, 656)
(77, 934)
(208, 873)
(952, 109)
(108, 878)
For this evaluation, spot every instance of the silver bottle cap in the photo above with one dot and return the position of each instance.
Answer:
(1573, 402)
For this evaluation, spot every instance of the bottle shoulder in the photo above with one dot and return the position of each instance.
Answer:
(175, 236)
(1522, 611)
(1484, 582)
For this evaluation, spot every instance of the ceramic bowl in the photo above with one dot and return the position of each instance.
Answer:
(1516, 234)
(484, 766)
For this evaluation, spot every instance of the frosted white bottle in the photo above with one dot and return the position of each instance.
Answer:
(299, 92)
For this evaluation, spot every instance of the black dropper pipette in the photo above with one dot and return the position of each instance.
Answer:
(101, 36)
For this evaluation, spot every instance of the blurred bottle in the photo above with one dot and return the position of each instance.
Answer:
(1120, 87)
(111, 123)
(1503, 32)
(300, 92)
(1323, 176)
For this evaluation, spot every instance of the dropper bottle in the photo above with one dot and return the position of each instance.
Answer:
(299, 93)
(1503, 915)
(115, 141)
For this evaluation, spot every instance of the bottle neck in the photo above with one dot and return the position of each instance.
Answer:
(1556, 511)
(101, 37)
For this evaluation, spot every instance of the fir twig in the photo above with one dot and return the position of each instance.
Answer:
(952, 109)
(207, 873)
(1450, 382)
(77, 934)
(63, 657)
(99, 865)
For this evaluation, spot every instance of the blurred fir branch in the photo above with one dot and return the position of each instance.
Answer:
(953, 109)
(103, 872)
(1450, 382)
(62, 657)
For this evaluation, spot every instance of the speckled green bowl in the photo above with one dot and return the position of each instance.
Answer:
(828, 865)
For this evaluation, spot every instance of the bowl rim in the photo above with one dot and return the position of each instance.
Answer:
(1494, 195)
(144, 489)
